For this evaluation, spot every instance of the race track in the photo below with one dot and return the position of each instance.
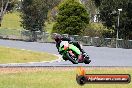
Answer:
(100, 56)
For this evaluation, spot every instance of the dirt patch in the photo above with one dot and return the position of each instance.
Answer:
(31, 69)
(7, 70)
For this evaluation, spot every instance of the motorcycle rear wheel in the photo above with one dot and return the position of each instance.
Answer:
(87, 60)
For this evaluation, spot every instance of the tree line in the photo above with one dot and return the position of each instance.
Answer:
(73, 17)
(108, 10)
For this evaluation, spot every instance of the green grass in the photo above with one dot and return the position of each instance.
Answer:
(10, 32)
(55, 78)
(11, 21)
(49, 26)
(12, 55)
(11, 25)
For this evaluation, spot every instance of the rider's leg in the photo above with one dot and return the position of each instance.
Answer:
(83, 52)
(78, 46)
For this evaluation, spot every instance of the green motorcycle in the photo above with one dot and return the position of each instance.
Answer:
(72, 53)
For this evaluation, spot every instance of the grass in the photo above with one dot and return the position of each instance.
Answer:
(10, 32)
(49, 26)
(54, 77)
(11, 25)
(12, 55)
(11, 21)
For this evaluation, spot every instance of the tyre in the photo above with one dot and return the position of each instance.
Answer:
(87, 60)
(72, 59)
(64, 58)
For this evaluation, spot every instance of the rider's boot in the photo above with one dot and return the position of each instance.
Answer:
(84, 54)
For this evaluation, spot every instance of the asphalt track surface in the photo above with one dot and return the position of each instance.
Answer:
(100, 56)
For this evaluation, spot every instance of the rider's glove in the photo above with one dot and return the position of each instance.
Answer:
(70, 42)
(60, 52)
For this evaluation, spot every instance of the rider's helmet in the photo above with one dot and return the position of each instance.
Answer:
(57, 38)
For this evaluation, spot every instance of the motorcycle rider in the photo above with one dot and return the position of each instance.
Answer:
(58, 39)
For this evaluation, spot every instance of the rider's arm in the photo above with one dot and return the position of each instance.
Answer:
(57, 46)
(66, 39)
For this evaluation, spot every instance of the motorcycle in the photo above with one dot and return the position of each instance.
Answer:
(72, 53)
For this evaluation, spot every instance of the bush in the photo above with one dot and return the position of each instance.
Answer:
(72, 18)
(97, 30)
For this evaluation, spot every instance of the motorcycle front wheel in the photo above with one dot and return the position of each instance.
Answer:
(74, 60)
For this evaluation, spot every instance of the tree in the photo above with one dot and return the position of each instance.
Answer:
(72, 18)
(97, 2)
(52, 14)
(109, 12)
(90, 6)
(34, 14)
(12, 5)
